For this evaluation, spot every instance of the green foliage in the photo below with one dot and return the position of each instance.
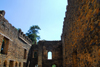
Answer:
(32, 33)
(53, 65)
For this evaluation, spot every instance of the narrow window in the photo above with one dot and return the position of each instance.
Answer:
(20, 64)
(4, 47)
(24, 64)
(11, 63)
(74, 58)
(49, 55)
(25, 53)
(5, 64)
(35, 54)
(16, 64)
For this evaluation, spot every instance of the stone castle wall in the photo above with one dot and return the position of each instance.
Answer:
(42, 49)
(81, 34)
(55, 47)
(16, 44)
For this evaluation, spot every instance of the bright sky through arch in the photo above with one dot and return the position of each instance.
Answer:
(47, 14)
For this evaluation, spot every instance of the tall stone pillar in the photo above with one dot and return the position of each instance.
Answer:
(1, 63)
(18, 64)
(40, 55)
(8, 63)
(21, 64)
(14, 64)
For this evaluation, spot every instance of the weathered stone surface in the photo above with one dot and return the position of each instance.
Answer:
(79, 45)
(81, 34)
(42, 48)
(15, 44)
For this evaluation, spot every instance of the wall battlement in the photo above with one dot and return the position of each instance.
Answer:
(11, 31)
(14, 45)
(23, 36)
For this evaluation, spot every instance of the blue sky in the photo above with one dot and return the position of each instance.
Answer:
(47, 14)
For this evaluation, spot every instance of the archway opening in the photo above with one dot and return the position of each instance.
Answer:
(5, 64)
(49, 55)
(36, 65)
(53, 65)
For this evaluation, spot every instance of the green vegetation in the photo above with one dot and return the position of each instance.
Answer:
(32, 33)
(53, 65)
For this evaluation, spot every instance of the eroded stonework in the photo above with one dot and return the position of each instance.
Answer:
(42, 49)
(81, 34)
(79, 45)
(14, 45)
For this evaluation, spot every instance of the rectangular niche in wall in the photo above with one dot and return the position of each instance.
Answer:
(4, 47)
(24, 64)
(74, 57)
(11, 64)
(25, 53)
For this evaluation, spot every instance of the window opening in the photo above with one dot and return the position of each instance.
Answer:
(4, 47)
(11, 64)
(20, 64)
(24, 64)
(36, 65)
(5, 64)
(25, 53)
(35, 54)
(49, 55)
(74, 57)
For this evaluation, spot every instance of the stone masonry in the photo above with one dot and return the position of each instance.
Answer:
(14, 45)
(42, 49)
(81, 34)
(79, 45)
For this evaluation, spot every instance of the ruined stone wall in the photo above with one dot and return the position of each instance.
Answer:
(42, 49)
(55, 47)
(32, 59)
(17, 45)
(81, 34)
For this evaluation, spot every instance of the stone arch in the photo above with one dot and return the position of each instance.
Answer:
(54, 65)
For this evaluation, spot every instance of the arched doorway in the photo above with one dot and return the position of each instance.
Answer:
(53, 65)
(36, 65)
